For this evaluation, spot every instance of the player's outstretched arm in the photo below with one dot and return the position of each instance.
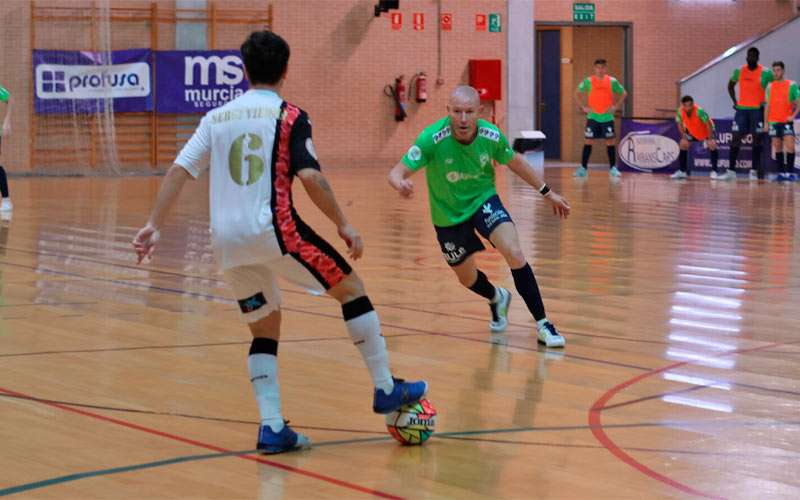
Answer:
(321, 194)
(399, 180)
(145, 241)
(519, 166)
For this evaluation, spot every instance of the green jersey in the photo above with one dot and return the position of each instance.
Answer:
(460, 176)
(4, 95)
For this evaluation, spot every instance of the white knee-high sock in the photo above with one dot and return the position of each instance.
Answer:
(365, 329)
(263, 366)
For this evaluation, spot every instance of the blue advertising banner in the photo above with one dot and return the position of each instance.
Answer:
(653, 147)
(197, 81)
(83, 82)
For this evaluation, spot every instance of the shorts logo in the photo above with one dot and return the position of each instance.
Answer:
(310, 148)
(488, 133)
(442, 134)
(414, 153)
(609, 131)
(487, 208)
(734, 127)
(253, 303)
(451, 255)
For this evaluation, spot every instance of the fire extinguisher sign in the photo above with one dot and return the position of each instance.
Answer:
(480, 22)
(419, 21)
(447, 22)
(397, 21)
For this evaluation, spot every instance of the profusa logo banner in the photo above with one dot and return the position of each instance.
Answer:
(85, 82)
(197, 81)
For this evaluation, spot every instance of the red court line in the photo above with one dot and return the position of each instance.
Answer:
(596, 424)
(174, 437)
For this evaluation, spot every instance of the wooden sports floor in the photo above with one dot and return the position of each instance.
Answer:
(680, 302)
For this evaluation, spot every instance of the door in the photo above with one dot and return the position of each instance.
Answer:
(548, 86)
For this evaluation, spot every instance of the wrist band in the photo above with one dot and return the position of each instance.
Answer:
(544, 190)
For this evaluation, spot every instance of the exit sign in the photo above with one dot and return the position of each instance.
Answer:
(583, 12)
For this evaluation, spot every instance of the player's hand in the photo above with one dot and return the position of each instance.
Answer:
(586, 109)
(6, 131)
(145, 242)
(559, 203)
(406, 188)
(355, 246)
(611, 109)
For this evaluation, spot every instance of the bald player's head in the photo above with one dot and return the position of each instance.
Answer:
(464, 109)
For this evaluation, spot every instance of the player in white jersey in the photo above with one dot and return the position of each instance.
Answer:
(254, 147)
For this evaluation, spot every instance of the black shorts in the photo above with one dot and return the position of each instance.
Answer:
(781, 130)
(600, 130)
(460, 241)
(748, 121)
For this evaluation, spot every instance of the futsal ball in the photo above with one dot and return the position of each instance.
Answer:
(412, 423)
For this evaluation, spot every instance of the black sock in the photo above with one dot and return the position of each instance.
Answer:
(262, 345)
(528, 289)
(612, 156)
(587, 152)
(757, 160)
(683, 160)
(789, 163)
(3, 182)
(714, 159)
(734, 156)
(483, 287)
(781, 160)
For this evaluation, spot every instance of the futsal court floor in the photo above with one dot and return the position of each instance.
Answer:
(680, 302)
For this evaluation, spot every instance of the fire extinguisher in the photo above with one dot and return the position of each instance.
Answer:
(421, 85)
(398, 94)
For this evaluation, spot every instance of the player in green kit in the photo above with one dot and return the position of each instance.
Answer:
(457, 153)
(5, 106)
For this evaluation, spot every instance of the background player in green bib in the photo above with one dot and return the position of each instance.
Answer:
(5, 131)
(783, 102)
(601, 91)
(458, 151)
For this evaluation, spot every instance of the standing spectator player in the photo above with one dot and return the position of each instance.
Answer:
(783, 101)
(752, 78)
(694, 125)
(5, 131)
(599, 105)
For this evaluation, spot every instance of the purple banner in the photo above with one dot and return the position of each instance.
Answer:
(653, 147)
(196, 81)
(83, 82)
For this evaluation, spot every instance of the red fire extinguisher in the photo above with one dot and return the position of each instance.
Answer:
(398, 94)
(421, 84)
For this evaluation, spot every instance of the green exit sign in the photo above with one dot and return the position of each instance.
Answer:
(583, 12)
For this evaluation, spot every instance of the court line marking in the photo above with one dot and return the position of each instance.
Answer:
(455, 435)
(596, 423)
(199, 444)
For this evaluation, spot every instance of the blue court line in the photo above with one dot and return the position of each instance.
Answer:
(207, 456)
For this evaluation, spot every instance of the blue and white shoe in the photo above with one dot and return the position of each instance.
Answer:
(270, 442)
(581, 172)
(782, 177)
(548, 335)
(614, 172)
(499, 309)
(402, 394)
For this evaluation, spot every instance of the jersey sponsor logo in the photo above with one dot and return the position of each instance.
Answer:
(442, 134)
(492, 135)
(484, 159)
(237, 155)
(449, 161)
(647, 151)
(62, 81)
(310, 148)
(460, 176)
(451, 255)
(414, 153)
